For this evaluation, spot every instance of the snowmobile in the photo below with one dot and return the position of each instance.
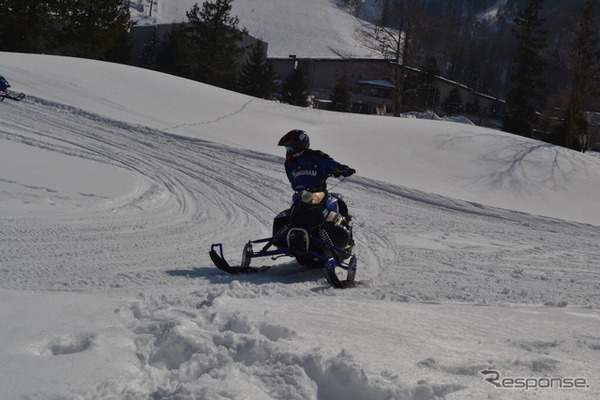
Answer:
(8, 94)
(11, 95)
(309, 232)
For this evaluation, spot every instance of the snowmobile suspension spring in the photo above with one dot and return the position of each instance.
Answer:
(281, 231)
(327, 240)
(325, 236)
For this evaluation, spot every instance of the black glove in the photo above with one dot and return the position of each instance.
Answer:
(343, 170)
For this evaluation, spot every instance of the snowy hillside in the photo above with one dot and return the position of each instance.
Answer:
(477, 250)
(307, 28)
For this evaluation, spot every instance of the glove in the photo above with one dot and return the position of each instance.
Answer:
(343, 170)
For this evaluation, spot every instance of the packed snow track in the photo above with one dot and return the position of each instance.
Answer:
(143, 238)
(189, 193)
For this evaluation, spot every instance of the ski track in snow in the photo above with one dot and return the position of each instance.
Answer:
(157, 239)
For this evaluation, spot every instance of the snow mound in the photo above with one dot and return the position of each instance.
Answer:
(221, 355)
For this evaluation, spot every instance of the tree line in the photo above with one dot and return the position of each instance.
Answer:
(549, 73)
(82, 28)
(527, 100)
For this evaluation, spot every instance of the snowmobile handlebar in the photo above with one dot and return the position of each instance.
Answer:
(342, 170)
(339, 171)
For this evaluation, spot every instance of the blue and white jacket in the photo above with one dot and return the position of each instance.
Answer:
(308, 171)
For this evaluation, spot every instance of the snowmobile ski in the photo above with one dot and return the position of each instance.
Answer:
(331, 267)
(219, 261)
(333, 279)
(12, 96)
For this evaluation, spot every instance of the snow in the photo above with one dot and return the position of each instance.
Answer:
(307, 28)
(28, 181)
(492, 12)
(477, 249)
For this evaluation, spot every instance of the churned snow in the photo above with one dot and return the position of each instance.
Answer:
(477, 250)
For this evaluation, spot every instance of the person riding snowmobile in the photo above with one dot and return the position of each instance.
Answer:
(307, 171)
(316, 230)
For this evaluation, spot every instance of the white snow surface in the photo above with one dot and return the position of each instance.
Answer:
(307, 28)
(476, 250)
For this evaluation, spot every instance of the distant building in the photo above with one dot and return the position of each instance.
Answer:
(371, 92)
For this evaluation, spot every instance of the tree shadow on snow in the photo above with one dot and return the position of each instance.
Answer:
(516, 164)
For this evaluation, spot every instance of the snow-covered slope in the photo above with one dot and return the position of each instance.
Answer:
(307, 28)
(477, 250)
(453, 160)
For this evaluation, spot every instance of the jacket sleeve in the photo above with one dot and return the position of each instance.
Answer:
(327, 163)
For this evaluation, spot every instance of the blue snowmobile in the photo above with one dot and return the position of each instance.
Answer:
(309, 232)
(8, 94)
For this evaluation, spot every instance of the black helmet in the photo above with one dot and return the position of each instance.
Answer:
(296, 142)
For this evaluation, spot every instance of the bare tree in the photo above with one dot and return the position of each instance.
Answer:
(394, 36)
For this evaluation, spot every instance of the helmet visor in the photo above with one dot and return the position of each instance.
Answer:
(293, 148)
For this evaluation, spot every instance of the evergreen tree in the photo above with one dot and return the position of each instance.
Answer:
(295, 89)
(456, 64)
(427, 91)
(27, 25)
(172, 53)
(91, 28)
(85, 28)
(257, 77)
(214, 50)
(527, 75)
(474, 107)
(473, 77)
(148, 58)
(340, 95)
(429, 72)
(453, 102)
